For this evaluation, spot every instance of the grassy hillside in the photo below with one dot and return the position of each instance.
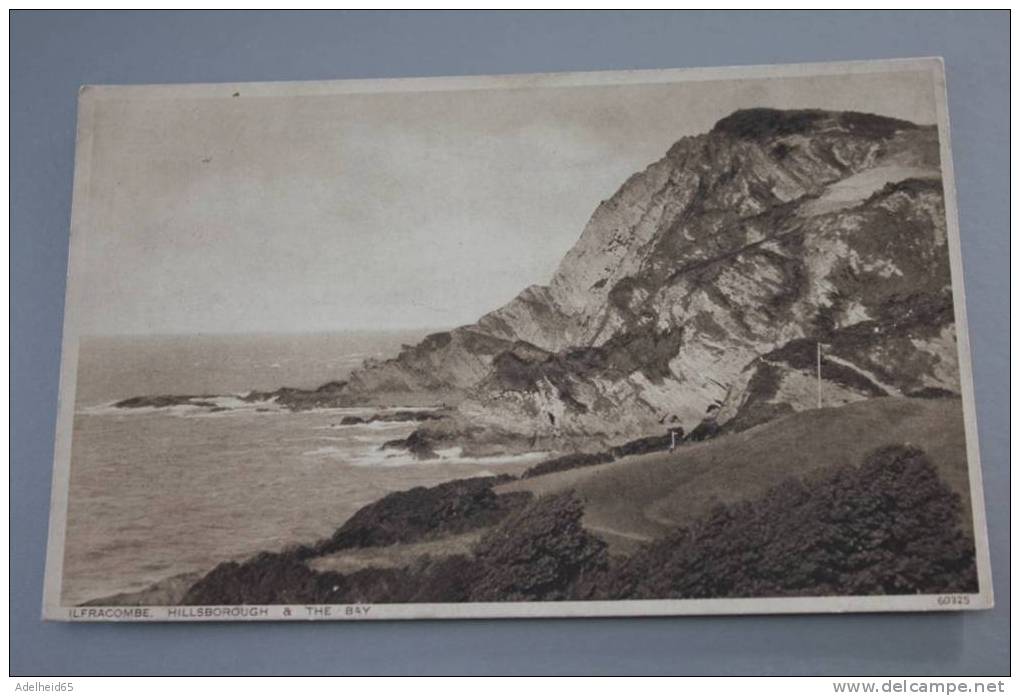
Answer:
(640, 498)
(862, 522)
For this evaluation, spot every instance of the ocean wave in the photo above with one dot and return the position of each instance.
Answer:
(326, 450)
(378, 457)
(360, 457)
(495, 460)
(374, 425)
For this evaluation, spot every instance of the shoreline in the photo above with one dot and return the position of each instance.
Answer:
(171, 589)
(436, 537)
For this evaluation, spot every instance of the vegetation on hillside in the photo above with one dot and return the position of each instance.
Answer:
(889, 526)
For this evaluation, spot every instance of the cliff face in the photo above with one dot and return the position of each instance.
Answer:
(702, 287)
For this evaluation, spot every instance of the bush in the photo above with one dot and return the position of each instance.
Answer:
(643, 445)
(268, 578)
(889, 527)
(566, 462)
(705, 430)
(767, 123)
(932, 393)
(538, 553)
(422, 513)
(762, 123)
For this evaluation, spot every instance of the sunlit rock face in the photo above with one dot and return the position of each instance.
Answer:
(704, 286)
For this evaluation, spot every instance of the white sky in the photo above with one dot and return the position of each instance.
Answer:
(381, 211)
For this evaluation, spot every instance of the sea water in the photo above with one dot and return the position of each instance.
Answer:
(156, 492)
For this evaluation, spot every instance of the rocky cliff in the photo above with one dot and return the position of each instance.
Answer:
(702, 288)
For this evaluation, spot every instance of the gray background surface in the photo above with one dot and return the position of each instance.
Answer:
(53, 53)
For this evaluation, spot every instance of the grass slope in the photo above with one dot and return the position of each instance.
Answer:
(640, 498)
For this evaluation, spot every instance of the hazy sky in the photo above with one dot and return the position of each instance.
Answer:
(380, 211)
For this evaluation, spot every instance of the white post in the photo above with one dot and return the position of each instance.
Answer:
(819, 370)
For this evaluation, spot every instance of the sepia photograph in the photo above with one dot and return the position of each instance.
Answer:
(572, 344)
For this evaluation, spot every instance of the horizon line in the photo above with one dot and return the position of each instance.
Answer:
(297, 332)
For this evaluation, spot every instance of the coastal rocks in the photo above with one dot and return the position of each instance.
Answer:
(166, 401)
(871, 358)
(394, 417)
(774, 227)
(441, 367)
(338, 394)
(418, 444)
(699, 288)
(329, 395)
(474, 438)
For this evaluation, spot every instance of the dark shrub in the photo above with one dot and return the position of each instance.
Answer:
(932, 393)
(272, 578)
(448, 579)
(643, 445)
(754, 413)
(910, 187)
(705, 430)
(538, 553)
(331, 387)
(268, 578)
(762, 123)
(873, 125)
(421, 513)
(889, 527)
(781, 151)
(800, 354)
(566, 462)
(766, 123)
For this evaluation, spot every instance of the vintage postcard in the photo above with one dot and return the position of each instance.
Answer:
(590, 344)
